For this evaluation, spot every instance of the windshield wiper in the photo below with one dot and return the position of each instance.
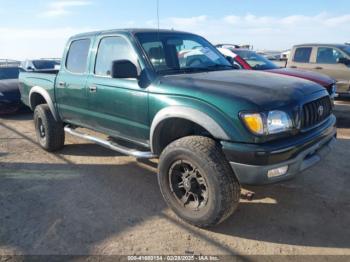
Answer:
(218, 66)
(194, 69)
(183, 70)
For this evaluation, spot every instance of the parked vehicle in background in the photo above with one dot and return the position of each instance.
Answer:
(330, 59)
(211, 126)
(250, 60)
(40, 64)
(233, 46)
(10, 97)
(227, 45)
(270, 55)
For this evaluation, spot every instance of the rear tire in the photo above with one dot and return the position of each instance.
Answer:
(197, 182)
(49, 132)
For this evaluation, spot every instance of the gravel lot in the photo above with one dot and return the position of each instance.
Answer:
(90, 200)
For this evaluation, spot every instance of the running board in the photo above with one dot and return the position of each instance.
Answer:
(114, 146)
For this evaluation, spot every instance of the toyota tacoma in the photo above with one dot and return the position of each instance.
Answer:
(213, 128)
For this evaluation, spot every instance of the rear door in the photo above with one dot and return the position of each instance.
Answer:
(302, 58)
(119, 106)
(70, 89)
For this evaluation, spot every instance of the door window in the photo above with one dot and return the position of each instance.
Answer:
(77, 56)
(302, 55)
(112, 49)
(327, 55)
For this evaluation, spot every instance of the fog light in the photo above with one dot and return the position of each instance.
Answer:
(277, 172)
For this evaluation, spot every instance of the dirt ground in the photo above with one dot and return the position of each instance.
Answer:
(90, 200)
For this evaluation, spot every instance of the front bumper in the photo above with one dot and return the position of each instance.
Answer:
(343, 87)
(258, 160)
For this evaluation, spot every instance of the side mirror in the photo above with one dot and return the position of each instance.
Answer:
(124, 69)
(344, 60)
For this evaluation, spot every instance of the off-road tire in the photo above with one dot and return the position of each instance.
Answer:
(223, 187)
(49, 132)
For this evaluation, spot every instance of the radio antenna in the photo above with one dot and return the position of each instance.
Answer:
(158, 15)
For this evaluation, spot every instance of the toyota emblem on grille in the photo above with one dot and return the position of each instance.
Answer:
(320, 110)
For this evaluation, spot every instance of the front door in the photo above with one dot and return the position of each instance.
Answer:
(327, 63)
(119, 106)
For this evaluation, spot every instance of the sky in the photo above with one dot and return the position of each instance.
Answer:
(40, 28)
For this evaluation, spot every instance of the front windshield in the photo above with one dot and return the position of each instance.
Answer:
(346, 49)
(181, 53)
(257, 62)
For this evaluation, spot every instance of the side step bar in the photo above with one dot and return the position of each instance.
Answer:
(114, 146)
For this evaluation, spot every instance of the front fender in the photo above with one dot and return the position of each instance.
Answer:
(190, 114)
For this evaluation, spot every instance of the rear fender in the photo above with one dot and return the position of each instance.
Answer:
(41, 91)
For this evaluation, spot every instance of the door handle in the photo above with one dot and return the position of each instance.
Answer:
(93, 89)
(62, 84)
(293, 67)
(318, 67)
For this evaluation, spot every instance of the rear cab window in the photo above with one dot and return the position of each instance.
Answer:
(302, 54)
(77, 56)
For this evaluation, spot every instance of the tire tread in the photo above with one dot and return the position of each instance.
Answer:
(55, 135)
(209, 150)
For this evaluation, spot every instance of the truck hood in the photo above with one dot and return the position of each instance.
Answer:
(262, 89)
(321, 79)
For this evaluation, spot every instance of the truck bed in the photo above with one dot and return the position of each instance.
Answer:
(45, 80)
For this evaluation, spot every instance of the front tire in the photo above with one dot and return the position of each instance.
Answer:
(49, 132)
(197, 182)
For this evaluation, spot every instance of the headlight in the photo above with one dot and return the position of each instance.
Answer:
(269, 123)
(277, 122)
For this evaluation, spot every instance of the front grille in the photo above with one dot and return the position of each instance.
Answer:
(315, 112)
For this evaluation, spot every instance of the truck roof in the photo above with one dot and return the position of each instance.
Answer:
(128, 30)
(320, 44)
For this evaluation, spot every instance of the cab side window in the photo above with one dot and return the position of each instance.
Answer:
(327, 55)
(77, 56)
(302, 55)
(112, 49)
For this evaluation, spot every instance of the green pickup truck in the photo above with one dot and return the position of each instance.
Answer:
(172, 95)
